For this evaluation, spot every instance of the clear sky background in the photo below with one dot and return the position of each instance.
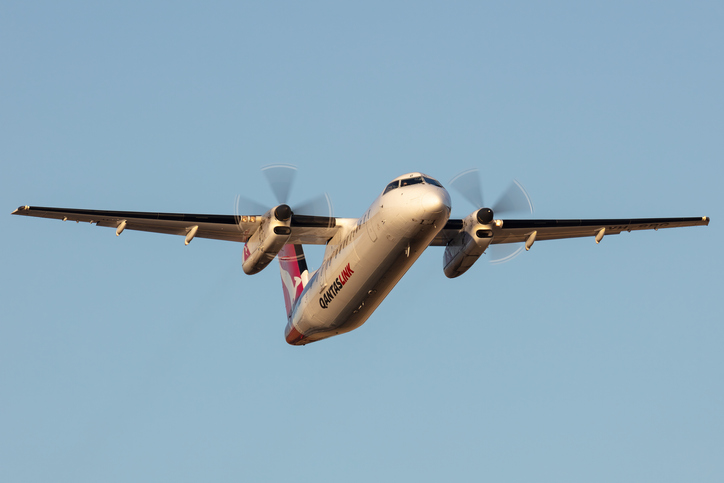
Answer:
(136, 358)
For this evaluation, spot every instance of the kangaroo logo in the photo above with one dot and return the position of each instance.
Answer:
(291, 285)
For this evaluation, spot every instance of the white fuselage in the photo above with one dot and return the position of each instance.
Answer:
(366, 259)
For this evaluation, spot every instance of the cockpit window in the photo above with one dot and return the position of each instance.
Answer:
(391, 186)
(432, 181)
(410, 181)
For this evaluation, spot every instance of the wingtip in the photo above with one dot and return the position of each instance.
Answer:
(19, 209)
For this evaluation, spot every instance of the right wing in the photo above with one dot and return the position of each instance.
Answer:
(305, 229)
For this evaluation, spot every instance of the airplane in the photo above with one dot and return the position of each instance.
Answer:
(364, 257)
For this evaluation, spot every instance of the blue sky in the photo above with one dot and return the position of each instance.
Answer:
(135, 358)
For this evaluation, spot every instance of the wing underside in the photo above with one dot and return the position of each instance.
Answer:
(314, 230)
(305, 229)
(517, 231)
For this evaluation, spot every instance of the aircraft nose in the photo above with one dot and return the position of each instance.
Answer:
(435, 201)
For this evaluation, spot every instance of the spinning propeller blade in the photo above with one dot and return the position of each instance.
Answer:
(468, 184)
(281, 180)
(514, 200)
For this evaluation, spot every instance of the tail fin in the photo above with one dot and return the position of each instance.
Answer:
(294, 272)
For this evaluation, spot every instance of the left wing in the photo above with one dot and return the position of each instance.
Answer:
(516, 231)
(305, 229)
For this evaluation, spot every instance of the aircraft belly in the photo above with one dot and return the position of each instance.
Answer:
(360, 272)
(324, 317)
(397, 265)
(378, 267)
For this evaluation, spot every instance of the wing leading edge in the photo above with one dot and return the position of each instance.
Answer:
(305, 229)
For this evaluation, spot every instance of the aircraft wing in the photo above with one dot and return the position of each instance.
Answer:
(305, 229)
(515, 231)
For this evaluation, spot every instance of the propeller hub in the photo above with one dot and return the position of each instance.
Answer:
(485, 216)
(282, 212)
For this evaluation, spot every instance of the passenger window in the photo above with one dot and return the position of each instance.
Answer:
(391, 186)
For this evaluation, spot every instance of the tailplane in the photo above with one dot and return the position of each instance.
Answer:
(294, 272)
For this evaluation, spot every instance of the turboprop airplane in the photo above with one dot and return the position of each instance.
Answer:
(365, 257)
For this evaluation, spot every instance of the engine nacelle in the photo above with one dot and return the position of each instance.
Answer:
(267, 240)
(465, 249)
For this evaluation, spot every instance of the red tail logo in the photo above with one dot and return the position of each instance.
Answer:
(293, 267)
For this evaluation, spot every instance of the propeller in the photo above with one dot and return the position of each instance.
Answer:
(514, 200)
(281, 181)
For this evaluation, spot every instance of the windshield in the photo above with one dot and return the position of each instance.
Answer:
(432, 181)
(391, 186)
(411, 181)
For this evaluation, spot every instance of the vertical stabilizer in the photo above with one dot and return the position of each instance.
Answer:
(294, 272)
